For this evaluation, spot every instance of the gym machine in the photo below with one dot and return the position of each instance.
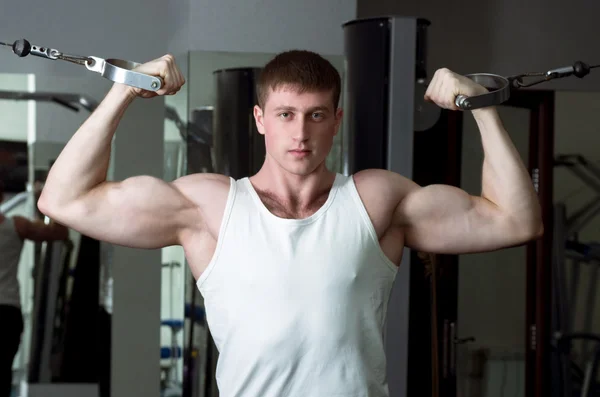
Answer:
(388, 125)
(570, 253)
(586, 379)
(71, 101)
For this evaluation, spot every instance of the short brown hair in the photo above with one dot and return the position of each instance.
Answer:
(303, 69)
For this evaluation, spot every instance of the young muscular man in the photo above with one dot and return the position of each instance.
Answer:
(13, 232)
(295, 263)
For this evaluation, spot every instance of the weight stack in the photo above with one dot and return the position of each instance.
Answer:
(238, 148)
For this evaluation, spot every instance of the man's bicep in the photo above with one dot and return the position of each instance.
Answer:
(146, 212)
(140, 212)
(445, 219)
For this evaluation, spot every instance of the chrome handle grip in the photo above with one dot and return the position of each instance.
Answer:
(498, 87)
(120, 71)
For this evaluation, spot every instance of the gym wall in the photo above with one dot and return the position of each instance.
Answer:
(14, 115)
(270, 26)
(504, 36)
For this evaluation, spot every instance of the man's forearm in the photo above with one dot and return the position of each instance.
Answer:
(505, 179)
(83, 163)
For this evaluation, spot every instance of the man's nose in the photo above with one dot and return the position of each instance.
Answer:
(301, 131)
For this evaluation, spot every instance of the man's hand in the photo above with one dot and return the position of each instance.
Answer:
(447, 85)
(165, 69)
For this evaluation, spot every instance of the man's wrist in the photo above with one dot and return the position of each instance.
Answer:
(486, 115)
(124, 92)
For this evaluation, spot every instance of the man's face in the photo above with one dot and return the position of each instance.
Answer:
(298, 128)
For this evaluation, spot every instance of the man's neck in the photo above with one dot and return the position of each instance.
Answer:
(300, 192)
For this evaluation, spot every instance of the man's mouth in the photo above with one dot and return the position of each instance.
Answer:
(300, 152)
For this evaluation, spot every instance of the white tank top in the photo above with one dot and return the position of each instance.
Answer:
(297, 307)
(10, 254)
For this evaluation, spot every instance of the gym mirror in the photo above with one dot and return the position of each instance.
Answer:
(59, 281)
(173, 258)
(17, 123)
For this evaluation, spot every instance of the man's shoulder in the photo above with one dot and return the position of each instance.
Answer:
(383, 182)
(204, 189)
(205, 183)
(381, 191)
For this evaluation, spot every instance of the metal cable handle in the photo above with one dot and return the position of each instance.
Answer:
(500, 87)
(116, 70)
(121, 71)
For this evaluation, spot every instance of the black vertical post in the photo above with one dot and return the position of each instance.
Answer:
(238, 148)
(384, 59)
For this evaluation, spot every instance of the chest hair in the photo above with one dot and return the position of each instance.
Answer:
(291, 209)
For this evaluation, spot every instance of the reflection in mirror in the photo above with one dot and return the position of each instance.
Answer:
(177, 131)
(238, 148)
(222, 138)
(58, 276)
(15, 118)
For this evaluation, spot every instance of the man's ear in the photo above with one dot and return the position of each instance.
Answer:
(339, 115)
(259, 118)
